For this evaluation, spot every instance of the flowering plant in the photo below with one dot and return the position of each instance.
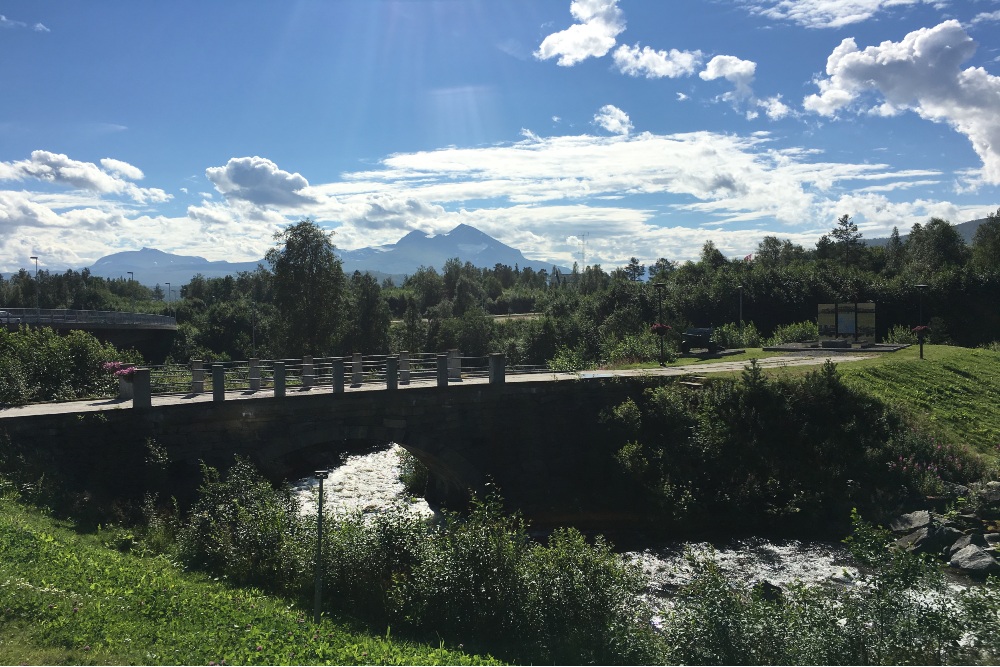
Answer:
(660, 329)
(119, 369)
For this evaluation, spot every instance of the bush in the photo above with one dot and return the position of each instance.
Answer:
(901, 334)
(732, 336)
(244, 528)
(898, 612)
(800, 332)
(41, 365)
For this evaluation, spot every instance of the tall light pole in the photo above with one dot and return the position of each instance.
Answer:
(320, 475)
(920, 290)
(36, 281)
(659, 317)
(921, 329)
(741, 306)
(131, 279)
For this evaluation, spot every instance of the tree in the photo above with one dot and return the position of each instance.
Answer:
(661, 270)
(895, 252)
(935, 245)
(847, 236)
(711, 257)
(308, 288)
(634, 270)
(369, 322)
(986, 244)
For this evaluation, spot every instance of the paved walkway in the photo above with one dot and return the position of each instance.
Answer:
(93, 405)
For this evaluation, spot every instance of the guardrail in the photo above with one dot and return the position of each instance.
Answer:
(333, 373)
(61, 317)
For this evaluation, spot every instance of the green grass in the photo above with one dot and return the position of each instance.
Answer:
(955, 391)
(66, 598)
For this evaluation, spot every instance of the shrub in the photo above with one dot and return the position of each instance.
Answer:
(246, 529)
(40, 365)
(901, 334)
(731, 335)
(799, 332)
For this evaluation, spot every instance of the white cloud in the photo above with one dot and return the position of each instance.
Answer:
(985, 17)
(259, 182)
(600, 22)
(613, 120)
(775, 108)
(656, 64)
(738, 72)
(123, 169)
(922, 74)
(60, 169)
(827, 13)
(681, 97)
(38, 27)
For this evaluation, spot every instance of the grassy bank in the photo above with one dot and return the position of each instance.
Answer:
(67, 598)
(954, 390)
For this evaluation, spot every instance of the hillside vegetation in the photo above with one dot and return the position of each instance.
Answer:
(67, 598)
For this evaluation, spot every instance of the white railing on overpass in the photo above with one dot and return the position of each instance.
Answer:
(64, 317)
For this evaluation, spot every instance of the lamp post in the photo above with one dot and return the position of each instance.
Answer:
(659, 317)
(741, 306)
(131, 279)
(168, 292)
(921, 329)
(320, 475)
(36, 283)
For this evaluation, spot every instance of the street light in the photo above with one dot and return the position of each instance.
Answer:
(659, 317)
(36, 281)
(920, 290)
(131, 278)
(741, 306)
(320, 475)
(921, 329)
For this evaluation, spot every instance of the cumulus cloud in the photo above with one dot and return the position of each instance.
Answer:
(613, 120)
(389, 211)
(59, 169)
(599, 23)
(827, 13)
(738, 72)
(260, 182)
(985, 17)
(922, 74)
(654, 64)
(774, 108)
(123, 169)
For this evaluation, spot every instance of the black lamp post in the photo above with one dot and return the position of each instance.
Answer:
(921, 329)
(320, 475)
(36, 282)
(659, 317)
(741, 306)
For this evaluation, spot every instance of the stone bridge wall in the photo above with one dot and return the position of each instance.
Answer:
(541, 443)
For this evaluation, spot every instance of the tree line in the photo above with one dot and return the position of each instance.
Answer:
(302, 302)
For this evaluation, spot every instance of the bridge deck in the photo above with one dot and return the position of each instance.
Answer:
(93, 405)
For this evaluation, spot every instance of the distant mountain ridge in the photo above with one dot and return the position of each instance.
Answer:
(967, 230)
(156, 267)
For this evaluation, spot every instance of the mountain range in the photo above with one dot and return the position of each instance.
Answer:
(156, 267)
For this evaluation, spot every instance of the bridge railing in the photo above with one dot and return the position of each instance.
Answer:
(336, 373)
(63, 317)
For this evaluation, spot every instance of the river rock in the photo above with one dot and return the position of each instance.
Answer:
(975, 560)
(929, 539)
(988, 499)
(907, 523)
(992, 539)
(965, 540)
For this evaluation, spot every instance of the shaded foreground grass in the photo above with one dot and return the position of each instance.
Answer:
(67, 598)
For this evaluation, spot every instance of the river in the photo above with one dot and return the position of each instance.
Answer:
(369, 483)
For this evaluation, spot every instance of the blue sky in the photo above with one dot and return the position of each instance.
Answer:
(623, 127)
